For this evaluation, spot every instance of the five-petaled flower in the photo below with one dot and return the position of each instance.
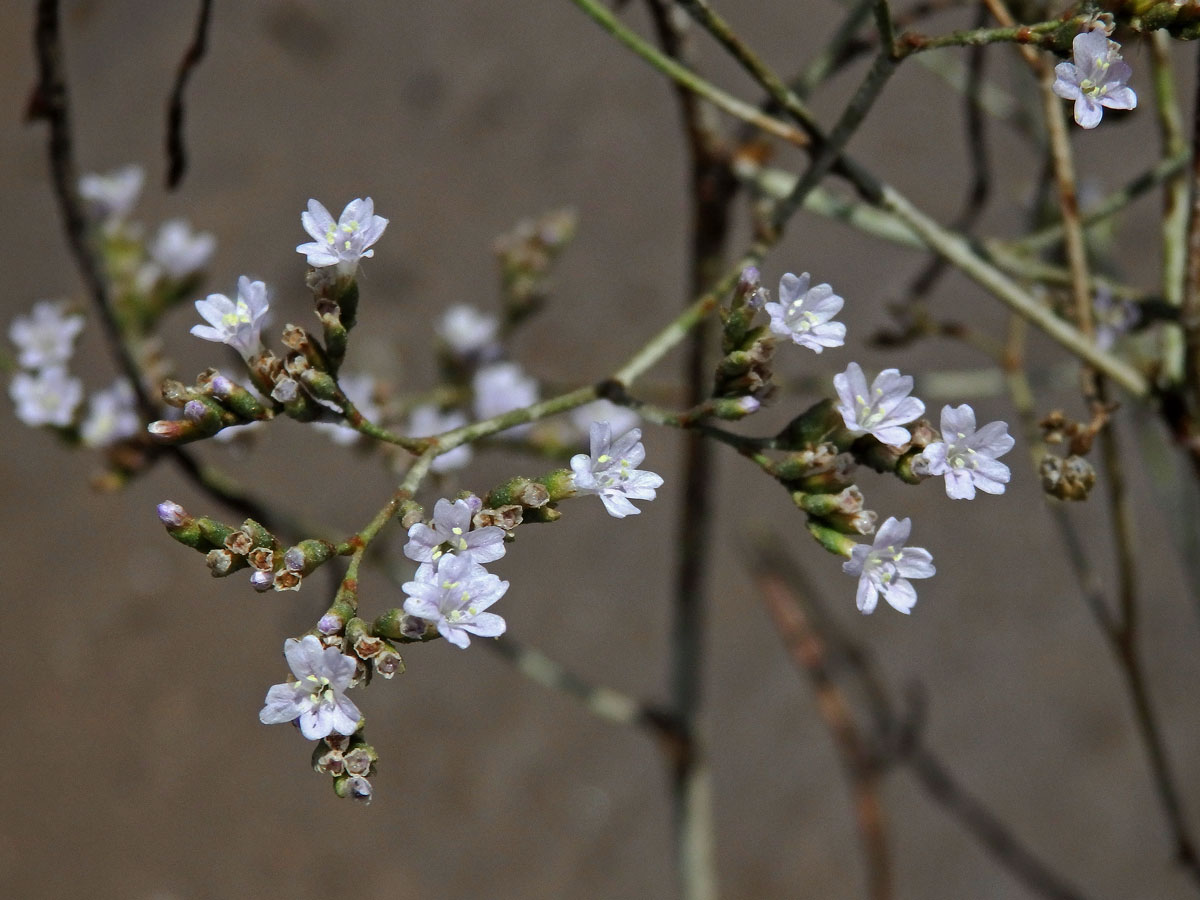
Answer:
(611, 471)
(111, 196)
(317, 697)
(47, 397)
(179, 251)
(237, 324)
(804, 313)
(112, 416)
(46, 337)
(1095, 79)
(966, 457)
(454, 593)
(450, 530)
(885, 567)
(881, 410)
(344, 242)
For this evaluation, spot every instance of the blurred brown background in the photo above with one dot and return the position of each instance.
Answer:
(136, 765)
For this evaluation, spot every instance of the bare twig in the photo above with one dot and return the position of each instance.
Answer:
(904, 741)
(176, 149)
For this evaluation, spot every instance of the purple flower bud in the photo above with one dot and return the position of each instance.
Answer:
(330, 623)
(221, 386)
(262, 580)
(194, 411)
(750, 279)
(172, 514)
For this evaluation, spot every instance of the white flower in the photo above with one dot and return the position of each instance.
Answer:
(610, 472)
(48, 397)
(451, 526)
(317, 697)
(112, 416)
(112, 196)
(453, 593)
(179, 251)
(344, 242)
(885, 568)
(237, 324)
(359, 390)
(468, 332)
(1095, 79)
(46, 337)
(880, 410)
(803, 313)
(426, 421)
(503, 387)
(619, 418)
(968, 458)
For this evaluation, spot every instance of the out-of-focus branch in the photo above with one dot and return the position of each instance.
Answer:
(176, 149)
(898, 740)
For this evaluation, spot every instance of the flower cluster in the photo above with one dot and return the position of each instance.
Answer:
(46, 394)
(451, 589)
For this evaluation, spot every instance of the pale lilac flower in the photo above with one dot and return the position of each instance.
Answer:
(112, 416)
(48, 397)
(468, 332)
(619, 418)
(1095, 79)
(237, 324)
(317, 697)
(46, 337)
(111, 196)
(881, 410)
(344, 242)
(885, 568)
(451, 529)
(804, 313)
(503, 387)
(425, 421)
(179, 251)
(359, 390)
(453, 594)
(966, 457)
(610, 471)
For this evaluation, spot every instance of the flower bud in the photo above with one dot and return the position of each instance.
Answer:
(307, 555)
(353, 786)
(173, 515)
(261, 581)
(734, 408)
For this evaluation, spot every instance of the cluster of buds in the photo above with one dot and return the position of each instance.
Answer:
(228, 549)
(350, 761)
(744, 372)
(214, 402)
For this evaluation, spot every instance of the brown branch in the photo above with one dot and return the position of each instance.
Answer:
(176, 150)
(858, 761)
(902, 739)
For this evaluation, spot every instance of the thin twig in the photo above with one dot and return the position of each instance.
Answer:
(176, 149)
(905, 741)
(807, 651)
(51, 103)
(712, 188)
